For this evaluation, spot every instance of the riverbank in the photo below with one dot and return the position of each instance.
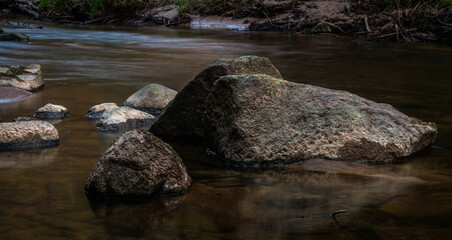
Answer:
(410, 21)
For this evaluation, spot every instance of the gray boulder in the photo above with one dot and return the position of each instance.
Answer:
(96, 111)
(26, 77)
(260, 120)
(14, 37)
(182, 117)
(51, 111)
(152, 98)
(123, 118)
(138, 165)
(26, 135)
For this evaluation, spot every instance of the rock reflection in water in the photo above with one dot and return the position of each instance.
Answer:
(28, 159)
(135, 219)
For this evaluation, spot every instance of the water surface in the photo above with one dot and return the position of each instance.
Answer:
(41, 191)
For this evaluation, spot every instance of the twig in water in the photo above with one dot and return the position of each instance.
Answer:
(333, 215)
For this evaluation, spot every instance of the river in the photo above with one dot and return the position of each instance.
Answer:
(41, 191)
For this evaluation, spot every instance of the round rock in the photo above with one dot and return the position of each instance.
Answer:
(51, 111)
(123, 118)
(152, 98)
(96, 111)
(138, 165)
(28, 134)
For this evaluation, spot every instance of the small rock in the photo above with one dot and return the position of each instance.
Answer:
(51, 111)
(152, 99)
(14, 37)
(21, 119)
(123, 118)
(26, 77)
(182, 117)
(12, 94)
(95, 112)
(28, 134)
(138, 165)
(326, 27)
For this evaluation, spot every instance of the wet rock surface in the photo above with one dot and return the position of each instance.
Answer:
(51, 111)
(12, 94)
(27, 135)
(13, 37)
(123, 118)
(96, 111)
(182, 117)
(138, 165)
(152, 98)
(259, 120)
(26, 77)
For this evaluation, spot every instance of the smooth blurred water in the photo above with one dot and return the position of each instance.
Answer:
(41, 191)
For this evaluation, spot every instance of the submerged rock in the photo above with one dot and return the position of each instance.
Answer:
(182, 117)
(123, 118)
(259, 120)
(13, 37)
(21, 119)
(152, 98)
(28, 134)
(96, 111)
(51, 111)
(138, 165)
(26, 77)
(326, 27)
(12, 94)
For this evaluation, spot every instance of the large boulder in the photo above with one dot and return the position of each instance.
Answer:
(96, 111)
(151, 98)
(26, 77)
(123, 118)
(26, 135)
(182, 117)
(12, 94)
(51, 111)
(260, 120)
(138, 165)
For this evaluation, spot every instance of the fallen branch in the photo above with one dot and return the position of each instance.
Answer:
(268, 19)
(367, 24)
(443, 23)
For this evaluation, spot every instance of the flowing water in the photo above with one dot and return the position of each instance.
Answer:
(41, 191)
